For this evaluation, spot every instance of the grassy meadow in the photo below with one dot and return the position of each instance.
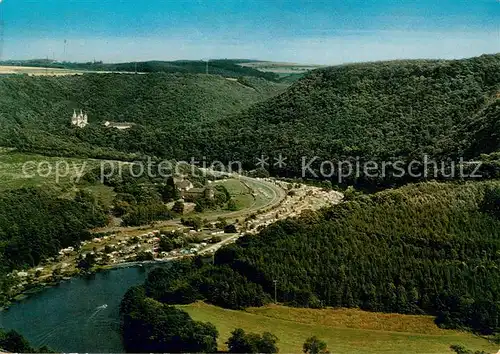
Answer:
(19, 170)
(344, 330)
(241, 194)
(250, 196)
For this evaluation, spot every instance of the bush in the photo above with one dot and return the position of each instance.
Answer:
(314, 345)
(178, 207)
(230, 229)
(241, 342)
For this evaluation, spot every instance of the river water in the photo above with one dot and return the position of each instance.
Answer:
(80, 315)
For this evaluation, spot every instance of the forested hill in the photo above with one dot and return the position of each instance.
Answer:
(374, 110)
(425, 248)
(39, 109)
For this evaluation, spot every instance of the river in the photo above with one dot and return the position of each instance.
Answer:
(79, 315)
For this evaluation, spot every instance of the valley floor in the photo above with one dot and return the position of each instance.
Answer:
(344, 330)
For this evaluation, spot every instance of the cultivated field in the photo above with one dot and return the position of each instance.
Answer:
(344, 330)
(281, 68)
(36, 71)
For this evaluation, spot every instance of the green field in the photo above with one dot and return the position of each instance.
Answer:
(344, 330)
(239, 192)
(19, 170)
(251, 196)
(281, 68)
(250, 193)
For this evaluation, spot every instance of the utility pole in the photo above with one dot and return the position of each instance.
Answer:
(206, 68)
(275, 291)
(2, 25)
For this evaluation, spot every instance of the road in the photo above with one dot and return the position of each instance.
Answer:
(278, 195)
(208, 250)
(281, 206)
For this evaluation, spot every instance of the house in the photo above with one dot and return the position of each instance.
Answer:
(183, 185)
(66, 250)
(118, 125)
(196, 193)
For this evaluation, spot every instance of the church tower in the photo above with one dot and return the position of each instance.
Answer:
(74, 119)
(80, 120)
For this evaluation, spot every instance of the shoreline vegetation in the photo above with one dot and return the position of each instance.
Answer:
(130, 246)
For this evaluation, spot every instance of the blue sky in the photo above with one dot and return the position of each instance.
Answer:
(306, 31)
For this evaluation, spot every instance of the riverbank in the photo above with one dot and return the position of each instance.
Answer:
(70, 317)
(123, 247)
(40, 287)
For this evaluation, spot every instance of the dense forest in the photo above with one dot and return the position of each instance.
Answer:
(35, 112)
(36, 224)
(375, 111)
(426, 248)
(384, 111)
(151, 327)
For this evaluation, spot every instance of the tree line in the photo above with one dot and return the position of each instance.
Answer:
(149, 326)
(224, 67)
(430, 248)
(36, 224)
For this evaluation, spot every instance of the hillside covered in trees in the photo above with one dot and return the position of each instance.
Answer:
(382, 111)
(35, 224)
(374, 111)
(35, 112)
(429, 248)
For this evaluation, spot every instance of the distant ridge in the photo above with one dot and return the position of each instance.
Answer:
(224, 67)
